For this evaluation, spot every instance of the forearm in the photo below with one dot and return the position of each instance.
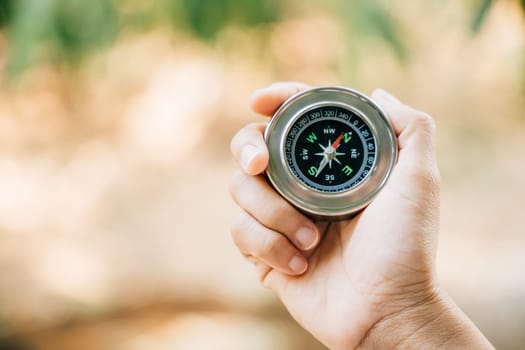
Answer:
(433, 325)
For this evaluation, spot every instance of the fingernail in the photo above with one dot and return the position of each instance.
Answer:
(298, 264)
(306, 237)
(249, 152)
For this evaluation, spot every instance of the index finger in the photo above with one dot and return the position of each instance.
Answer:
(248, 145)
(249, 149)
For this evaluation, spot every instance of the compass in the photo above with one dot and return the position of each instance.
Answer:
(331, 149)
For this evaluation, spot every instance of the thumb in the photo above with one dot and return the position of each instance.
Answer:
(416, 172)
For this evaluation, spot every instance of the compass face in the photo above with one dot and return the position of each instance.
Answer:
(330, 149)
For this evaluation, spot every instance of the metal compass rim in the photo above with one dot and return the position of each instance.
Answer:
(331, 206)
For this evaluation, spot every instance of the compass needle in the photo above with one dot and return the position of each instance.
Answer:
(338, 141)
(321, 166)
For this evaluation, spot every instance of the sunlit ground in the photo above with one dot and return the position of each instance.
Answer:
(114, 211)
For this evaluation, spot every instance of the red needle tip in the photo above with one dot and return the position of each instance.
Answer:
(338, 141)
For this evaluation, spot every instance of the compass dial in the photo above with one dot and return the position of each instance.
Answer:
(330, 149)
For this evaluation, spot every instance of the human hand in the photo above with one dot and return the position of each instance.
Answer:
(343, 280)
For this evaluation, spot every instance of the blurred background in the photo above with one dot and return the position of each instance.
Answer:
(115, 121)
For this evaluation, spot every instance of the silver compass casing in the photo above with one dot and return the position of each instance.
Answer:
(330, 205)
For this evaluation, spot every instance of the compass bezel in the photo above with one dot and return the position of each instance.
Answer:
(329, 205)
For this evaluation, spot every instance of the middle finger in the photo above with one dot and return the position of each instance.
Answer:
(259, 199)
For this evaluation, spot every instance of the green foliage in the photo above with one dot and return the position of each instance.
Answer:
(481, 14)
(95, 27)
(68, 30)
(56, 29)
(374, 18)
(5, 11)
(207, 17)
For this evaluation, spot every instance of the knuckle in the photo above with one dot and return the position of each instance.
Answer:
(424, 121)
(280, 214)
(239, 230)
(236, 183)
(235, 143)
(252, 240)
(270, 247)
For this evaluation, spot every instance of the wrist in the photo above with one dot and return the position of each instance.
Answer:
(433, 323)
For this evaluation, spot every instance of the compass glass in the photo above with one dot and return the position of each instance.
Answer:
(330, 149)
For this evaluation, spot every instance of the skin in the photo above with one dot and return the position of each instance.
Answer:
(367, 282)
